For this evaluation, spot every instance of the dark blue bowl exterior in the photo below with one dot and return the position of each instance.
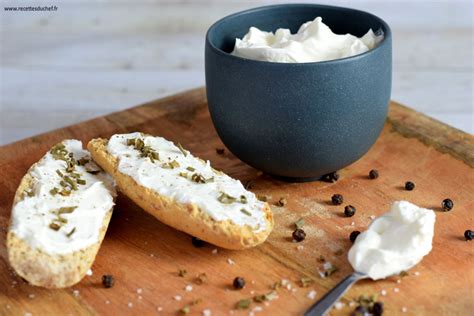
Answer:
(298, 120)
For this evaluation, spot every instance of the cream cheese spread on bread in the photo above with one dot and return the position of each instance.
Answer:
(64, 207)
(171, 171)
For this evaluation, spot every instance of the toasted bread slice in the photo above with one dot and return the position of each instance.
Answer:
(60, 213)
(183, 191)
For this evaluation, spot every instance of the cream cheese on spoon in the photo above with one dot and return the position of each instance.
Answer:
(394, 242)
(313, 42)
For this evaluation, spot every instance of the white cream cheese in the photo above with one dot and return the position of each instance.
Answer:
(394, 242)
(177, 183)
(36, 213)
(313, 42)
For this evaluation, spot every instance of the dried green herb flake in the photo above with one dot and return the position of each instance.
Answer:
(225, 198)
(243, 304)
(185, 153)
(246, 212)
(71, 232)
(306, 281)
(54, 226)
(299, 223)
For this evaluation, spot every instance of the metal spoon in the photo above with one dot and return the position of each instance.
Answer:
(324, 305)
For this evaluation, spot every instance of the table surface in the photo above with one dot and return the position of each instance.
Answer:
(92, 58)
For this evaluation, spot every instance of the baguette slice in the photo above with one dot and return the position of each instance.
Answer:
(60, 213)
(183, 191)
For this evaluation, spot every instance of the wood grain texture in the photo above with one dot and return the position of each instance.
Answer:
(145, 255)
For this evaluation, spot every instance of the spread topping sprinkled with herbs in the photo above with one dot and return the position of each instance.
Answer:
(68, 205)
(145, 151)
(70, 180)
(186, 178)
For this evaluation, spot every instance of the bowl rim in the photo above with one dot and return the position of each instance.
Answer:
(385, 41)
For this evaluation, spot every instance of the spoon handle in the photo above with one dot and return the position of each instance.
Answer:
(324, 305)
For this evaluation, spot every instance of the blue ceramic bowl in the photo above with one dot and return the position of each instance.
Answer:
(298, 121)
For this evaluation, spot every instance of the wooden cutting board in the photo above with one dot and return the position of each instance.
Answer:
(144, 255)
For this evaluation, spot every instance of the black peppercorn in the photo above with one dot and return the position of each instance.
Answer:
(360, 311)
(447, 205)
(330, 177)
(198, 243)
(349, 210)
(299, 235)
(409, 185)
(469, 235)
(239, 283)
(220, 151)
(108, 280)
(377, 309)
(353, 235)
(337, 199)
(373, 174)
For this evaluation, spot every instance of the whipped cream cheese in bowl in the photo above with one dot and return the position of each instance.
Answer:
(313, 42)
(305, 92)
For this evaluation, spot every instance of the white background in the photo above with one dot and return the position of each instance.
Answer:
(90, 58)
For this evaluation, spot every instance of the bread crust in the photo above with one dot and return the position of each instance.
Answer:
(184, 217)
(47, 270)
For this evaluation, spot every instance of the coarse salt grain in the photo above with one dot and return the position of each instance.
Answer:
(252, 292)
(31, 295)
(257, 309)
(177, 297)
(139, 291)
(327, 265)
(353, 224)
(383, 292)
(399, 281)
(416, 273)
(206, 312)
(89, 272)
(311, 295)
(215, 251)
(372, 217)
(188, 288)
(339, 305)
(404, 309)
(230, 261)
(300, 247)
(107, 302)
(130, 304)
(396, 290)
(75, 292)
(159, 308)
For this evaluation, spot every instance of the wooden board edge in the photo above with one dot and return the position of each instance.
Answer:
(444, 138)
